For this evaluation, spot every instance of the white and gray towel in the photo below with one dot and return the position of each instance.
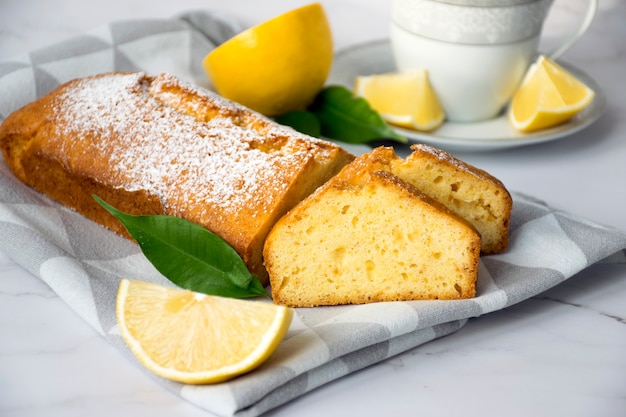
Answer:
(83, 263)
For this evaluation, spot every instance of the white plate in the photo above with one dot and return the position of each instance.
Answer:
(376, 57)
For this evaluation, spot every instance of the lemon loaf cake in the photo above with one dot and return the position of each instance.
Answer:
(156, 145)
(470, 192)
(368, 236)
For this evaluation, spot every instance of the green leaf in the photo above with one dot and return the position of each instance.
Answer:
(348, 118)
(189, 255)
(301, 120)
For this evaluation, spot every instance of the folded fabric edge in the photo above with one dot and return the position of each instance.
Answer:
(260, 402)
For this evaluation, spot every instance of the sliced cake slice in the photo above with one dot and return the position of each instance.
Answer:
(367, 236)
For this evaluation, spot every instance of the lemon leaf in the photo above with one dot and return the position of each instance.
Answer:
(303, 121)
(348, 118)
(189, 255)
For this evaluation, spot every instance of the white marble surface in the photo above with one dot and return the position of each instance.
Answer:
(559, 354)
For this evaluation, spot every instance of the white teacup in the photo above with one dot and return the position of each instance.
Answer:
(476, 51)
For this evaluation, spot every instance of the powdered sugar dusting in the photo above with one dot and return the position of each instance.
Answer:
(147, 144)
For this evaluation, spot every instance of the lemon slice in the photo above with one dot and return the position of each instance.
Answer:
(276, 66)
(195, 338)
(548, 96)
(403, 99)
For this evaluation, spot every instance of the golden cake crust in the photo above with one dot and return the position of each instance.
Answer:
(155, 145)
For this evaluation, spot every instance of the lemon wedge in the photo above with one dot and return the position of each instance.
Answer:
(548, 96)
(276, 66)
(195, 338)
(404, 99)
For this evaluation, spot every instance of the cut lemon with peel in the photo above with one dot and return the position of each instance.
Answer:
(404, 99)
(277, 66)
(548, 96)
(196, 338)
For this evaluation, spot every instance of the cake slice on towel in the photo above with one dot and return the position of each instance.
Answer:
(368, 236)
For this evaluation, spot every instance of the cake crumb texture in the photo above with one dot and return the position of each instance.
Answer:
(470, 192)
(368, 236)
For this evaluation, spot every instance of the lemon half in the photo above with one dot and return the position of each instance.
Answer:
(276, 66)
(195, 338)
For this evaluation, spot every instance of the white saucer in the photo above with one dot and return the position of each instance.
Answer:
(376, 57)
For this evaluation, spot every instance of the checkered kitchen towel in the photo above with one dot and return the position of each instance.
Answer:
(83, 262)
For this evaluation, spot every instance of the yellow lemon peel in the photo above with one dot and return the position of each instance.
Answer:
(196, 338)
(277, 66)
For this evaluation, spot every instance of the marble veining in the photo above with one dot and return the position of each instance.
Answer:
(581, 306)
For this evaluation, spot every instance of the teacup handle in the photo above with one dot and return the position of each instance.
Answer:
(591, 12)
